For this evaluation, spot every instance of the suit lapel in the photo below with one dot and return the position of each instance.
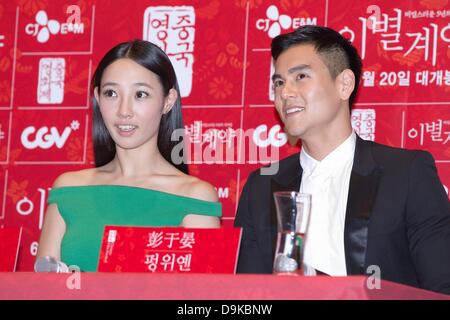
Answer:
(363, 187)
(288, 179)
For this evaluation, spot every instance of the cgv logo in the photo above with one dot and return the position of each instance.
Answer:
(274, 138)
(275, 22)
(46, 138)
(44, 26)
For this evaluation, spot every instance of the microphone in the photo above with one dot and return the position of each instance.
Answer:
(50, 264)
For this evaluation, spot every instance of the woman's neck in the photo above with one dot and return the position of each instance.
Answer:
(139, 162)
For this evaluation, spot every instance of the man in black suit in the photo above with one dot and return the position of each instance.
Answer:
(372, 205)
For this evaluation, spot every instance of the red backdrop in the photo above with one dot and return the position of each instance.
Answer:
(49, 49)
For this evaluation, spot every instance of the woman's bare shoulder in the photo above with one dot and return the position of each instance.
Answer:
(75, 178)
(199, 189)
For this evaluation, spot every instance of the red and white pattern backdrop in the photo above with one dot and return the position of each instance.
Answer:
(49, 49)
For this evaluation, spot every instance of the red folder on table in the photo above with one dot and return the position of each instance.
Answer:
(9, 248)
(169, 249)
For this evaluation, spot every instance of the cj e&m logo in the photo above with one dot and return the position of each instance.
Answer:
(276, 22)
(46, 138)
(43, 27)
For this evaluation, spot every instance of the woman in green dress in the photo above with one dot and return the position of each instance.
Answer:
(138, 179)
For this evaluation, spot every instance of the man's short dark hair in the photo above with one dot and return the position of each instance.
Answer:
(336, 52)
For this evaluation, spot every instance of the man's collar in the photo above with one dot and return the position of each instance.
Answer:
(333, 162)
(290, 170)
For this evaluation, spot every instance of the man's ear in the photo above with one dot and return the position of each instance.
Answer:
(170, 100)
(346, 80)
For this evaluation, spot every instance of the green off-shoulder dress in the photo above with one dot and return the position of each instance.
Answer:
(87, 209)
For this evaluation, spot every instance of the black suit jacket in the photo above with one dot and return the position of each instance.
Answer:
(398, 216)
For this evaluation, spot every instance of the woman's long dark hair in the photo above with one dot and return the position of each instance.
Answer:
(155, 60)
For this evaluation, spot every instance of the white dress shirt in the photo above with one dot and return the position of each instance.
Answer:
(328, 182)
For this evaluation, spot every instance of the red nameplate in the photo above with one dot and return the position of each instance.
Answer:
(169, 249)
(9, 248)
